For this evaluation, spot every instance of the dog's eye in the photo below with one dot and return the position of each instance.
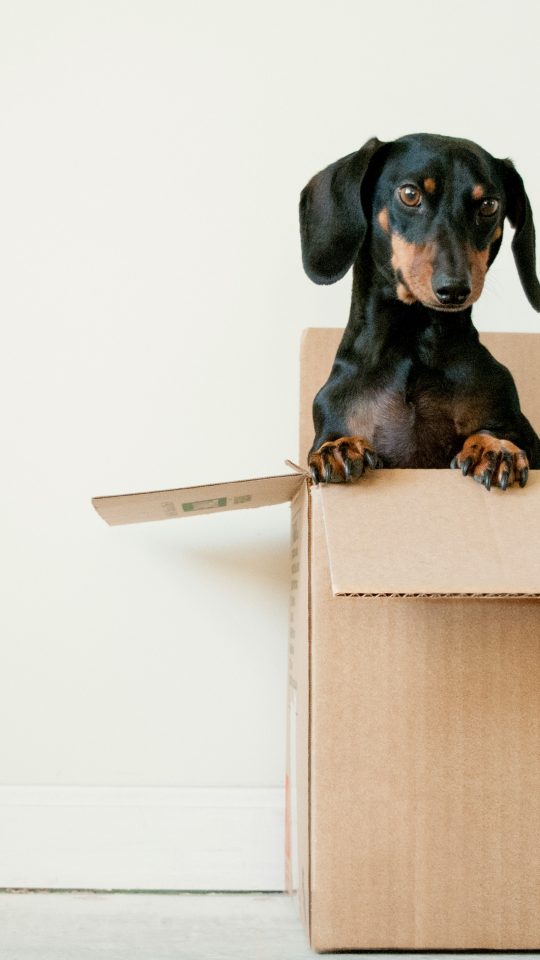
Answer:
(409, 195)
(488, 208)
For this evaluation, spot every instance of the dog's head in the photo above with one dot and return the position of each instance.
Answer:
(432, 211)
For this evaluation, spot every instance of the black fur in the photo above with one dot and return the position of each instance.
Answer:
(410, 376)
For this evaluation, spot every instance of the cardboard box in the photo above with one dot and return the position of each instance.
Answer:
(414, 692)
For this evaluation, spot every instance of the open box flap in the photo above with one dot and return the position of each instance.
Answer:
(190, 501)
(432, 533)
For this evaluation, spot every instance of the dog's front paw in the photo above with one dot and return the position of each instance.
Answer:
(338, 461)
(492, 461)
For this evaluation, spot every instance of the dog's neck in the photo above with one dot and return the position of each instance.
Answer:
(380, 324)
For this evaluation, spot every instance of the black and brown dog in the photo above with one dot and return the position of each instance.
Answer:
(420, 220)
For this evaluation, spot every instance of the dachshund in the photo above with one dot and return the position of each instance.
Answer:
(420, 220)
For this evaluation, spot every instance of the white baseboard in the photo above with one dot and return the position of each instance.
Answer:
(142, 838)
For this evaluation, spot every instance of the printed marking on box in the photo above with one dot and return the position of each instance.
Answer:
(204, 504)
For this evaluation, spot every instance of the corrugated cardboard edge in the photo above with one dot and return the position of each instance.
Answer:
(299, 696)
(442, 596)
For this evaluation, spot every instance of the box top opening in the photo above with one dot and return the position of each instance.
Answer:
(520, 352)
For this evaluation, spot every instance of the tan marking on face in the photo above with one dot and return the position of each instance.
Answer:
(429, 185)
(404, 295)
(478, 265)
(415, 263)
(382, 217)
(497, 234)
(478, 192)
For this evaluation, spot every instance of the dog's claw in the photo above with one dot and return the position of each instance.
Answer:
(342, 460)
(453, 463)
(492, 462)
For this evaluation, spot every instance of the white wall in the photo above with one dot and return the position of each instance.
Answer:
(152, 300)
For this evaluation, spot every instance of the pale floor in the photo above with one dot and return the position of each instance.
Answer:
(138, 926)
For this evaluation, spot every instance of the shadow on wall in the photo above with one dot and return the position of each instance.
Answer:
(261, 564)
(264, 565)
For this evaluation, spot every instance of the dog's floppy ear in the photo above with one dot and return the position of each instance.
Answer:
(332, 220)
(519, 213)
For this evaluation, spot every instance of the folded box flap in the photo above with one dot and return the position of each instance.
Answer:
(431, 533)
(191, 501)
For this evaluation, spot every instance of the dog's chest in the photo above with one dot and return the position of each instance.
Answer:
(416, 421)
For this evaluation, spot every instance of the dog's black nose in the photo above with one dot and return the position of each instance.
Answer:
(451, 292)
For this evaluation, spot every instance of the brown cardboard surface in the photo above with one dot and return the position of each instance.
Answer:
(297, 856)
(424, 770)
(520, 352)
(423, 767)
(431, 532)
(192, 501)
